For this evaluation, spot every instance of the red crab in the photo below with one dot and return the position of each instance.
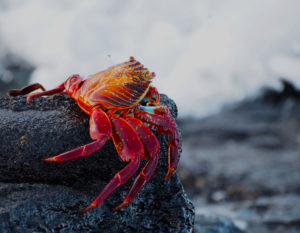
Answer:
(123, 106)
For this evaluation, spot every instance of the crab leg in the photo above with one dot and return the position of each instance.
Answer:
(100, 130)
(152, 148)
(34, 87)
(78, 152)
(130, 148)
(25, 90)
(161, 120)
(56, 90)
(143, 177)
(120, 178)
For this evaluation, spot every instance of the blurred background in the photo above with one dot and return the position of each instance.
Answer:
(221, 61)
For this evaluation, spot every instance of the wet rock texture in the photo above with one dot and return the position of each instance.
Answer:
(244, 163)
(43, 197)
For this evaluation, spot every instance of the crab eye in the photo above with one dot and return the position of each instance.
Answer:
(154, 96)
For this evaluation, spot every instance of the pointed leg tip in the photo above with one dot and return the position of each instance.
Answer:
(89, 207)
(50, 160)
(118, 207)
(169, 174)
(13, 92)
(122, 205)
(28, 99)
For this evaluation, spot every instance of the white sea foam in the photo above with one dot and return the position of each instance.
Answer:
(205, 53)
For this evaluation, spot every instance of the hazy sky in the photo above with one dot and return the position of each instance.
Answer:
(205, 53)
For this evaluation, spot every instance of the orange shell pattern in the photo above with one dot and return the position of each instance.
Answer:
(121, 86)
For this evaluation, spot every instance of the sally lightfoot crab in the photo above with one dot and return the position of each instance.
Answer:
(123, 107)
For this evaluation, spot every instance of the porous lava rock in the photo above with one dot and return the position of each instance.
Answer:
(42, 197)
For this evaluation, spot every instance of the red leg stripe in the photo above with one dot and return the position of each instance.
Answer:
(78, 152)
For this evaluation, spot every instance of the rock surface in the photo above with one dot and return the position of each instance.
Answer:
(41, 197)
(244, 162)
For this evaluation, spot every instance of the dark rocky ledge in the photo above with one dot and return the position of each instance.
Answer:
(41, 197)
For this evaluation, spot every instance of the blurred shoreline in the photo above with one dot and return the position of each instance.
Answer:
(243, 163)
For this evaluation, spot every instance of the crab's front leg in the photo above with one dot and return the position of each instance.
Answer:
(25, 90)
(130, 148)
(100, 131)
(159, 117)
(152, 148)
(33, 87)
(69, 86)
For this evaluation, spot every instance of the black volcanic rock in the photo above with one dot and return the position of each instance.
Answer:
(42, 197)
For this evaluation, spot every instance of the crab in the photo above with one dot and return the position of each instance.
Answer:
(123, 107)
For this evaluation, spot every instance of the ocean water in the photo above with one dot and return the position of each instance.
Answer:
(206, 53)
